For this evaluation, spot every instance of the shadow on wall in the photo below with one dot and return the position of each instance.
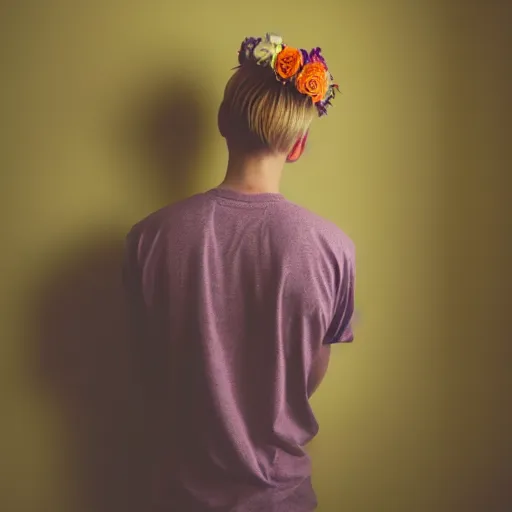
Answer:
(168, 133)
(85, 358)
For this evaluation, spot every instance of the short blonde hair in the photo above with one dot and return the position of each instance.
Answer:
(263, 114)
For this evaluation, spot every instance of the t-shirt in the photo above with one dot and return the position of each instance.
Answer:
(232, 297)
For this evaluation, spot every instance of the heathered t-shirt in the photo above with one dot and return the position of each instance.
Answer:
(233, 296)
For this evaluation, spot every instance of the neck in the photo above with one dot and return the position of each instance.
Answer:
(254, 173)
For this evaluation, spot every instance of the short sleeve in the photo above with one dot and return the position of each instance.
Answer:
(340, 329)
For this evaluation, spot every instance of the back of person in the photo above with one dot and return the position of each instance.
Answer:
(237, 295)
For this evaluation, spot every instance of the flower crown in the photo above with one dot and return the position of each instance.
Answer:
(308, 72)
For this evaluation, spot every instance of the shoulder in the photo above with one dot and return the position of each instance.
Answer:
(310, 228)
(175, 213)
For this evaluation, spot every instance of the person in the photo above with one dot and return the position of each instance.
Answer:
(237, 295)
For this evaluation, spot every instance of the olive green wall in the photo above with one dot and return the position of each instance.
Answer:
(414, 415)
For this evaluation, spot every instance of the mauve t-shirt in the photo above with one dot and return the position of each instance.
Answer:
(232, 297)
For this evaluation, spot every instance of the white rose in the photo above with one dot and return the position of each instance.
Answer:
(274, 39)
(264, 52)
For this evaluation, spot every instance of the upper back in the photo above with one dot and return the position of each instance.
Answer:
(245, 244)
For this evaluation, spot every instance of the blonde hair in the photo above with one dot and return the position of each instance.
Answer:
(263, 114)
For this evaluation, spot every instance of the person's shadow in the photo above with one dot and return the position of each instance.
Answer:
(84, 356)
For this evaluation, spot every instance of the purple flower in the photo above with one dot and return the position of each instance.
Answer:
(305, 56)
(247, 47)
(322, 107)
(316, 56)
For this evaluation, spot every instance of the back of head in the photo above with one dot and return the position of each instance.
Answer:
(262, 113)
(264, 106)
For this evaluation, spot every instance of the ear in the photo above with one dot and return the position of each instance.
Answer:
(298, 149)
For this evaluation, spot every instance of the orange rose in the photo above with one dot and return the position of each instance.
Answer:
(313, 81)
(288, 62)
